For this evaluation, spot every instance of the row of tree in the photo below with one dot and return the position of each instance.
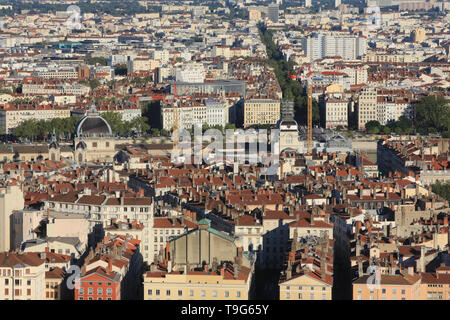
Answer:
(64, 128)
(138, 125)
(38, 130)
(291, 88)
(442, 189)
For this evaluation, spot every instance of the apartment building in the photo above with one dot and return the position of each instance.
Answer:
(319, 46)
(24, 224)
(306, 286)
(261, 111)
(391, 109)
(58, 74)
(436, 286)
(391, 287)
(11, 198)
(54, 283)
(366, 107)
(195, 114)
(165, 228)
(225, 282)
(334, 110)
(99, 284)
(12, 116)
(101, 209)
(47, 89)
(22, 276)
(141, 64)
(192, 73)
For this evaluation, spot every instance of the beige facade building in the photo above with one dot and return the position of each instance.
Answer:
(367, 107)
(22, 277)
(308, 286)
(12, 116)
(11, 198)
(391, 287)
(53, 283)
(224, 284)
(261, 111)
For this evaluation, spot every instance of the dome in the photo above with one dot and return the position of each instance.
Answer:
(92, 124)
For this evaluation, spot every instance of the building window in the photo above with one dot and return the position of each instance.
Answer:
(288, 296)
(300, 296)
(180, 293)
(238, 294)
(403, 291)
(359, 289)
(191, 293)
(157, 292)
(324, 297)
(214, 293)
(80, 298)
(203, 293)
(394, 291)
(90, 291)
(28, 282)
(167, 292)
(149, 292)
(108, 291)
(100, 291)
(81, 291)
(383, 290)
(227, 294)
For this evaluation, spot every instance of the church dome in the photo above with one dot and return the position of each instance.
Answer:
(93, 125)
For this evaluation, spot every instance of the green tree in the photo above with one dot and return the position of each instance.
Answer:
(114, 120)
(94, 84)
(373, 127)
(433, 112)
(140, 124)
(100, 60)
(155, 132)
(442, 189)
(386, 130)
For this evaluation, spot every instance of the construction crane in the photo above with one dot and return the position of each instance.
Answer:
(309, 107)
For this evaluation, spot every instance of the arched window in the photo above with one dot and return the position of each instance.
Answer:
(80, 158)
